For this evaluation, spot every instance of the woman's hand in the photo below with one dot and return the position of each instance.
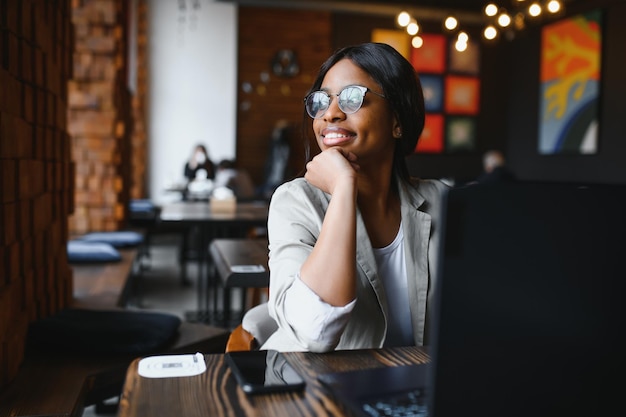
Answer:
(330, 168)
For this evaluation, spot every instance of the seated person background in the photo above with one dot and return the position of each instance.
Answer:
(199, 169)
(494, 168)
(238, 180)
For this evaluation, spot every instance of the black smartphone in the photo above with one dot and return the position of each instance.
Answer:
(263, 371)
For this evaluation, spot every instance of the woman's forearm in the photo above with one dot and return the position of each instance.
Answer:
(330, 269)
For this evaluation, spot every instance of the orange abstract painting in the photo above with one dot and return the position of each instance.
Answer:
(570, 85)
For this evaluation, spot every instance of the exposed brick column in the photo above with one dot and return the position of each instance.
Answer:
(99, 117)
(139, 105)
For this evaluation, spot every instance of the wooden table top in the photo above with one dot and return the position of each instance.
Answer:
(216, 393)
(241, 253)
(200, 212)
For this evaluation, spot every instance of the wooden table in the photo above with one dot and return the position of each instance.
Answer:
(211, 225)
(249, 258)
(216, 393)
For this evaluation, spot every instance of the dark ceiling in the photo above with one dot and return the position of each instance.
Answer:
(381, 7)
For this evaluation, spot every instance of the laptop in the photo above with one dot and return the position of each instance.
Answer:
(529, 316)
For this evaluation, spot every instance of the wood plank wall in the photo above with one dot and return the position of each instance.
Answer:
(262, 33)
(36, 171)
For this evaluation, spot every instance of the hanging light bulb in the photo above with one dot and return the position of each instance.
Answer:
(534, 9)
(554, 6)
(417, 42)
(412, 28)
(463, 37)
(460, 46)
(403, 19)
(504, 20)
(450, 23)
(490, 32)
(491, 9)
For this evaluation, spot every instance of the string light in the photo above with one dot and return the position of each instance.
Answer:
(451, 23)
(497, 19)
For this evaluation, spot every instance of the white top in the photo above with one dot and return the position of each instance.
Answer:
(392, 271)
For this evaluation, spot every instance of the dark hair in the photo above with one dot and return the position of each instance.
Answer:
(400, 84)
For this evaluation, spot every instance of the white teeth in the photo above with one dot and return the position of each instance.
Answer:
(335, 136)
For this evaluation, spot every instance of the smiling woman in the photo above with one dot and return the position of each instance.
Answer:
(356, 201)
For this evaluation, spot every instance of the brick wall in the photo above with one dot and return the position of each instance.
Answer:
(99, 118)
(269, 97)
(36, 172)
(139, 107)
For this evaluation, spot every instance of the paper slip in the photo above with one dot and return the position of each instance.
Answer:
(170, 366)
(243, 269)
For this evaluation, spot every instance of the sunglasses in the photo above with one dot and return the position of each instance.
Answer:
(349, 100)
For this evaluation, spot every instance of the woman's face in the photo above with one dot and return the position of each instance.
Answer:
(368, 132)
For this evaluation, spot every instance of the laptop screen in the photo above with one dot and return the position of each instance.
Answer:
(530, 300)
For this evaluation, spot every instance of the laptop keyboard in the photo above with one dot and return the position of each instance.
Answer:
(406, 404)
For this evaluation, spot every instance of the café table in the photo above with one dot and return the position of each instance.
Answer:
(212, 224)
(216, 393)
(239, 263)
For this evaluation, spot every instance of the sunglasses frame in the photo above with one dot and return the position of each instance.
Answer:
(364, 90)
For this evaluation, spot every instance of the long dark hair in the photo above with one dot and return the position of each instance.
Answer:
(400, 84)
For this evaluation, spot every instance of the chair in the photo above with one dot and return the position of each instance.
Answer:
(255, 328)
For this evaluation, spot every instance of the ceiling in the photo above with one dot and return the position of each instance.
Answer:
(467, 9)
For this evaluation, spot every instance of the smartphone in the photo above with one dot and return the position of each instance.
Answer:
(263, 371)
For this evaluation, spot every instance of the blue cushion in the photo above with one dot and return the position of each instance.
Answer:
(116, 239)
(141, 206)
(104, 331)
(79, 251)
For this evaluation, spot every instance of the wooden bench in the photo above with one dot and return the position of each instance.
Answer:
(103, 285)
(63, 384)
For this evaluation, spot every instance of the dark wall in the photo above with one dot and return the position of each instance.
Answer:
(609, 164)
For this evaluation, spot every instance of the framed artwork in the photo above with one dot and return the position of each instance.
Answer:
(432, 86)
(431, 140)
(461, 95)
(398, 39)
(570, 85)
(431, 56)
(460, 133)
(466, 62)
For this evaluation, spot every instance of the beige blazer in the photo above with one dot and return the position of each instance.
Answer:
(295, 219)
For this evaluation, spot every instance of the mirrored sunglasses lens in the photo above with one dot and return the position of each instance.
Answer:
(350, 100)
(316, 104)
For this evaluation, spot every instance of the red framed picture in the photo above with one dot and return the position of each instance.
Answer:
(431, 56)
(431, 140)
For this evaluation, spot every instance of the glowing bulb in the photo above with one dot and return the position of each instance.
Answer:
(490, 32)
(417, 42)
(460, 45)
(504, 20)
(462, 37)
(450, 23)
(404, 19)
(554, 6)
(534, 9)
(412, 28)
(491, 9)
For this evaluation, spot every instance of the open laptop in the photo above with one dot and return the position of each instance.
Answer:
(529, 315)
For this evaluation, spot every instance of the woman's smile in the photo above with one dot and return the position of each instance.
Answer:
(336, 136)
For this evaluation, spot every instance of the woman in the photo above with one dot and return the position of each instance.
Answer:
(199, 161)
(353, 243)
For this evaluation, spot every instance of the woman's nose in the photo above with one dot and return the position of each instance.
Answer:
(333, 112)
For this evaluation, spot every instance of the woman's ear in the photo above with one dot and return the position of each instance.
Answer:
(397, 129)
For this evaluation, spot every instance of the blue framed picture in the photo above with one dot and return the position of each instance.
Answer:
(432, 85)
